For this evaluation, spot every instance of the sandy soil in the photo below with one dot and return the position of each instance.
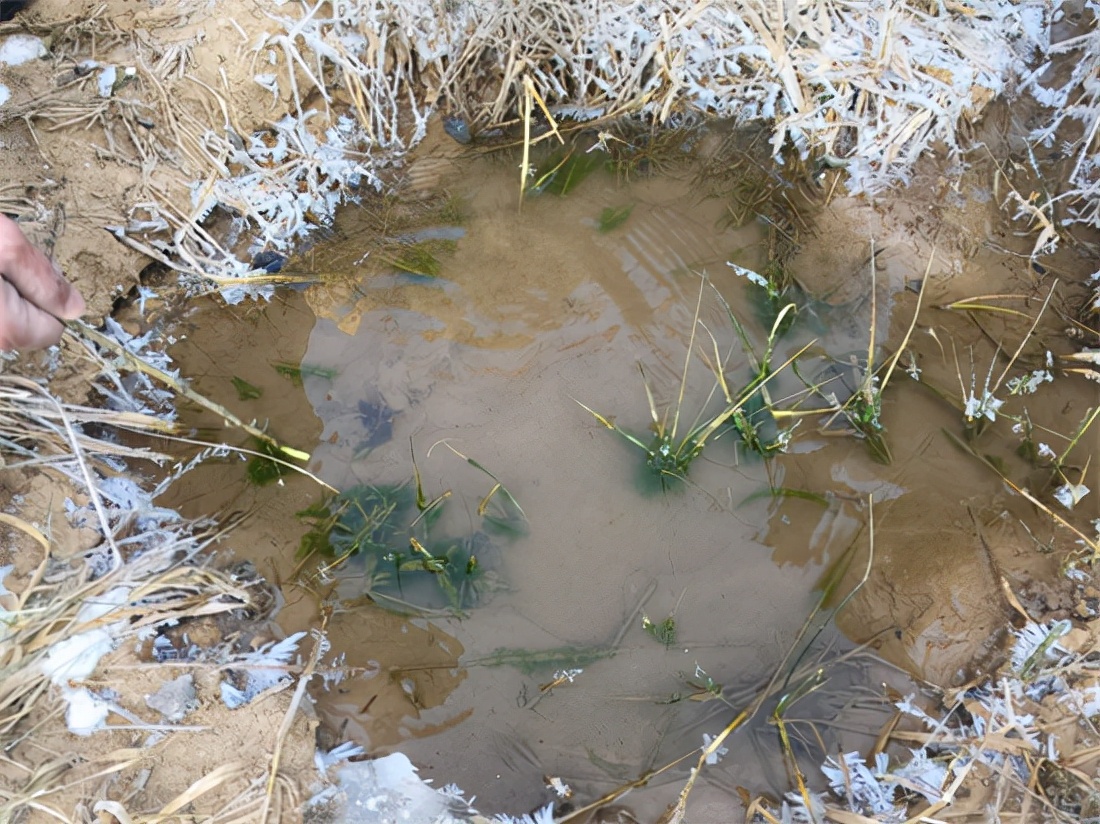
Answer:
(75, 163)
(946, 555)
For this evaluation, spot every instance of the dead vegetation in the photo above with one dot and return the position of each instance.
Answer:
(71, 619)
(359, 81)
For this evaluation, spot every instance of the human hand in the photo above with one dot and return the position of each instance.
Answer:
(33, 293)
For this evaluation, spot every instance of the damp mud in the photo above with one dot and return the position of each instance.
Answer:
(534, 611)
(480, 380)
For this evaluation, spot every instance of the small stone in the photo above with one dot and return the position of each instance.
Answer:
(457, 128)
(270, 262)
(174, 699)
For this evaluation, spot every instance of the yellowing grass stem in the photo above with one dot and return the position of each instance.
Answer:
(912, 324)
(80, 329)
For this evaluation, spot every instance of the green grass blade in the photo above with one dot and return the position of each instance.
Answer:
(786, 492)
(612, 218)
(245, 390)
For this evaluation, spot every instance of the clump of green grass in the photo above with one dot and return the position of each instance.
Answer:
(862, 409)
(664, 631)
(421, 258)
(986, 397)
(1066, 480)
(980, 411)
(755, 420)
(397, 534)
(670, 451)
(776, 291)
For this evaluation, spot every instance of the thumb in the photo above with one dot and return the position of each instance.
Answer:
(36, 278)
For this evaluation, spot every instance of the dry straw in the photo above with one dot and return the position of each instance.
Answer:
(870, 85)
(149, 569)
(874, 84)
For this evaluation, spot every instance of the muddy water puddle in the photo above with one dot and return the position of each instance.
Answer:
(543, 653)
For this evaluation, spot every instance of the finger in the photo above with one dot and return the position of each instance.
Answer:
(34, 275)
(23, 325)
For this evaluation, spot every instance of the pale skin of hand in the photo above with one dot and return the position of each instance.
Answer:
(33, 293)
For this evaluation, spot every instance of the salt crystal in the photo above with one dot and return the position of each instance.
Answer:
(21, 48)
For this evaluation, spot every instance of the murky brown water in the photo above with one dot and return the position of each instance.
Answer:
(531, 310)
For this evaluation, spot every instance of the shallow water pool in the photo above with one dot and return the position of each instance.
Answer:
(529, 316)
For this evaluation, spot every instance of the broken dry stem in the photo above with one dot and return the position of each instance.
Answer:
(1084, 539)
(243, 450)
(976, 303)
(912, 324)
(786, 669)
(83, 330)
(319, 646)
(1026, 338)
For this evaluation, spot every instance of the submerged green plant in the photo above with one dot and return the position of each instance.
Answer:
(295, 372)
(245, 390)
(531, 662)
(566, 168)
(755, 420)
(1063, 490)
(980, 411)
(634, 149)
(270, 465)
(360, 519)
(613, 217)
(396, 531)
(664, 631)
(421, 258)
(777, 286)
(863, 407)
(670, 452)
(499, 509)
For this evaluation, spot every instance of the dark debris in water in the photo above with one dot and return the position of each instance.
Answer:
(270, 262)
(457, 128)
(376, 416)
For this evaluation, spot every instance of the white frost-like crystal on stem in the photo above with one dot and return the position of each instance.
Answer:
(871, 85)
(986, 406)
(1069, 495)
